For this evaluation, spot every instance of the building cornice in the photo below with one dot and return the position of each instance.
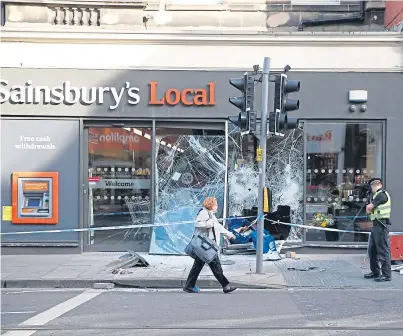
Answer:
(212, 37)
(126, 3)
(360, 52)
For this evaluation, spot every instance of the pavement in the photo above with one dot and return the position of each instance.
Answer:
(171, 312)
(87, 269)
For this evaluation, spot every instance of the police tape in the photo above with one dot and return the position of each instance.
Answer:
(309, 227)
(135, 226)
(110, 228)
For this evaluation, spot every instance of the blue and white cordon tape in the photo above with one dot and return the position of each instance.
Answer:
(133, 226)
(327, 229)
(107, 228)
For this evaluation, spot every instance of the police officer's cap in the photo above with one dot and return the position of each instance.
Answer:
(375, 180)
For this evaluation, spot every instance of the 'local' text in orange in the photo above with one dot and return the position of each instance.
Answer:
(188, 96)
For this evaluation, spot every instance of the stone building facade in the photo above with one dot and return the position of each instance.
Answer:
(332, 46)
(232, 15)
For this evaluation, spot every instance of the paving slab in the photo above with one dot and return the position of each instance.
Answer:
(84, 270)
(66, 272)
(331, 273)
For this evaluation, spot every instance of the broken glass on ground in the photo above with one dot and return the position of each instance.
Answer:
(306, 269)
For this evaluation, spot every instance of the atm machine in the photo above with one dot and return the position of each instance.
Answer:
(35, 198)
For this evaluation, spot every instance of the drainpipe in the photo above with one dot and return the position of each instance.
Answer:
(340, 19)
(2, 13)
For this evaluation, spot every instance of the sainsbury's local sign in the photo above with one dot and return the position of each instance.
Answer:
(68, 94)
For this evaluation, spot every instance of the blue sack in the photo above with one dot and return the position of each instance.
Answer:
(236, 223)
(240, 239)
(269, 243)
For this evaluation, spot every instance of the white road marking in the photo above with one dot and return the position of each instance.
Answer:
(54, 312)
(20, 312)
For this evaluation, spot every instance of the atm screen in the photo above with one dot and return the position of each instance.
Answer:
(33, 202)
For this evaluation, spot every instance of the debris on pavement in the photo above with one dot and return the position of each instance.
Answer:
(126, 261)
(121, 271)
(272, 256)
(291, 254)
(305, 269)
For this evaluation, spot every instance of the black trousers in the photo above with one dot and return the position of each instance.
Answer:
(379, 250)
(215, 267)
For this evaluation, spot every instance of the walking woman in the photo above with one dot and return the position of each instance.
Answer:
(207, 224)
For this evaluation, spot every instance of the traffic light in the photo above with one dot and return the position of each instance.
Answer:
(273, 120)
(279, 122)
(246, 120)
(282, 104)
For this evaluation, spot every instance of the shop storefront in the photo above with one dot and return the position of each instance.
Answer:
(136, 147)
(341, 157)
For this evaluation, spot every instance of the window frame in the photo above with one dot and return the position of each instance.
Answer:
(307, 122)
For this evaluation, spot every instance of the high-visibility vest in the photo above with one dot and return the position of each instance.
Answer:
(381, 211)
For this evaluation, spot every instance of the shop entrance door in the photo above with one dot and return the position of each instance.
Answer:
(118, 184)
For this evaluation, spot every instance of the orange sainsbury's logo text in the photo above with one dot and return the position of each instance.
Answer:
(188, 97)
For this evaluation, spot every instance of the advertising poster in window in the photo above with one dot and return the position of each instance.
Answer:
(325, 138)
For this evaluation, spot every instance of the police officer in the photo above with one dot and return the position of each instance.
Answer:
(379, 209)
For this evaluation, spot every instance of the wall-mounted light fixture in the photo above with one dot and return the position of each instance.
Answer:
(358, 96)
(352, 108)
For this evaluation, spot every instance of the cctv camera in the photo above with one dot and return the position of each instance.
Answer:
(287, 68)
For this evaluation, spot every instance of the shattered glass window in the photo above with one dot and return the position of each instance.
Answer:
(190, 167)
(284, 175)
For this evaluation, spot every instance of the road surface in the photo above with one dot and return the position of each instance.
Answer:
(124, 312)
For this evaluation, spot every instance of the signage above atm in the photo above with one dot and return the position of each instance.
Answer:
(28, 186)
(68, 94)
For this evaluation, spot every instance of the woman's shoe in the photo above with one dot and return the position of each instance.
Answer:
(192, 290)
(229, 289)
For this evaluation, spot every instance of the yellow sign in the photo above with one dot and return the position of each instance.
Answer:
(266, 200)
(7, 213)
(259, 154)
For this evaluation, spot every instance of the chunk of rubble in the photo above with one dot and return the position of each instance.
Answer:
(127, 261)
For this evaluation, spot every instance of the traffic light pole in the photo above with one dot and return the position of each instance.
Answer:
(262, 167)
